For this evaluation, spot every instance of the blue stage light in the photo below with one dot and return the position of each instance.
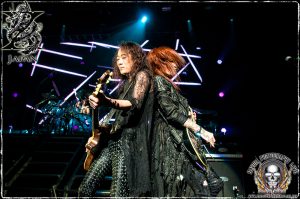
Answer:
(144, 19)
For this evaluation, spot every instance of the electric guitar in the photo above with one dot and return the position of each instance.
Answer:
(96, 132)
(193, 145)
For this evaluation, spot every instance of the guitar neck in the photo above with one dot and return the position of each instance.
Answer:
(95, 122)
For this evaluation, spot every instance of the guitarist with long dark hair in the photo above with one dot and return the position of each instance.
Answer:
(179, 166)
(127, 153)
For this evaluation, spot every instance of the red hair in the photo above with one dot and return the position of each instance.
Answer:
(166, 62)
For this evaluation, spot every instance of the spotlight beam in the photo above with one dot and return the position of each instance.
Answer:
(180, 71)
(113, 90)
(188, 83)
(177, 42)
(58, 70)
(37, 58)
(62, 54)
(31, 107)
(74, 90)
(188, 57)
(145, 49)
(103, 44)
(145, 42)
(109, 67)
(78, 44)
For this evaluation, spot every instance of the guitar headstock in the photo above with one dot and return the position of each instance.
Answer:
(104, 79)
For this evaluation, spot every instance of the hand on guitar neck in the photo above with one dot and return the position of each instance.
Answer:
(94, 142)
(99, 100)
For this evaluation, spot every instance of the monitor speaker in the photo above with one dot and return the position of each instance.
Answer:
(232, 174)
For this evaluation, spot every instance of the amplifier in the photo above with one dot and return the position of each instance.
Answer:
(229, 167)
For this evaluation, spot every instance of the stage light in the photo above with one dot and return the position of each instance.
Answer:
(195, 69)
(109, 67)
(31, 107)
(103, 44)
(10, 128)
(180, 71)
(62, 54)
(145, 42)
(219, 61)
(82, 62)
(144, 19)
(15, 94)
(223, 130)
(221, 94)
(37, 58)
(78, 44)
(74, 90)
(189, 24)
(188, 83)
(58, 70)
(113, 90)
(177, 42)
(20, 65)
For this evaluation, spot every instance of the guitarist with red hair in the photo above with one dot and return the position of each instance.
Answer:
(179, 167)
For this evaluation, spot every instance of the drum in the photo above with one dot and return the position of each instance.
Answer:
(80, 123)
(55, 119)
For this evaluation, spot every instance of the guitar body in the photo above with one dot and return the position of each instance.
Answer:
(92, 147)
(193, 145)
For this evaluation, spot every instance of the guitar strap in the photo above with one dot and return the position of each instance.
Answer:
(113, 110)
(180, 142)
(177, 139)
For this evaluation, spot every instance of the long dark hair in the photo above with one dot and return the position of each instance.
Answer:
(137, 55)
(166, 62)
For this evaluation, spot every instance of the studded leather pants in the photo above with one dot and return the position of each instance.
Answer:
(111, 158)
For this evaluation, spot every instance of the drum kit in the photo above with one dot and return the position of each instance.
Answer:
(71, 118)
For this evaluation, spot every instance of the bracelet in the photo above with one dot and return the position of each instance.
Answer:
(198, 133)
